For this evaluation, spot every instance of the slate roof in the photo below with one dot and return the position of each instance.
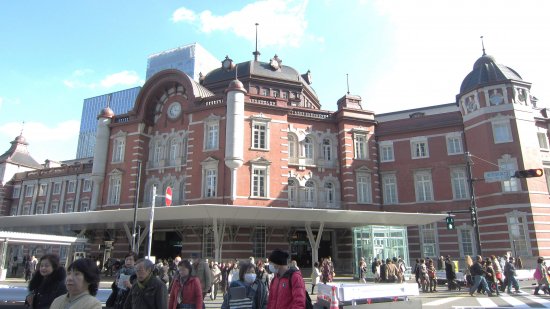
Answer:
(18, 154)
(487, 71)
(425, 123)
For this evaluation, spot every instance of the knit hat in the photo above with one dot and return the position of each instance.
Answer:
(279, 257)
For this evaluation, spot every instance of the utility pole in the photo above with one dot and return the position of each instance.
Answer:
(473, 205)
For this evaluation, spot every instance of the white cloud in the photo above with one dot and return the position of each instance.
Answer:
(125, 78)
(56, 142)
(183, 14)
(281, 23)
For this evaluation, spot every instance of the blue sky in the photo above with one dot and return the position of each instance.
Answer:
(399, 54)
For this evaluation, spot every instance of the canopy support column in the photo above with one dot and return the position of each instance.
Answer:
(3, 262)
(219, 233)
(314, 242)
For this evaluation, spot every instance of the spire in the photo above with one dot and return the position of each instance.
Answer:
(482, 46)
(256, 53)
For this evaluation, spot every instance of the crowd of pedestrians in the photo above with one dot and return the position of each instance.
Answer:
(139, 283)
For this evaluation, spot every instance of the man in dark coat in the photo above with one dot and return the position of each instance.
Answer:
(450, 272)
(149, 292)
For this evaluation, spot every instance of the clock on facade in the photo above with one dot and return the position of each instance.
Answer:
(174, 110)
(496, 99)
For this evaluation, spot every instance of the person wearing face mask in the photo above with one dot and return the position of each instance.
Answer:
(47, 283)
(287, 289)
(255, 291)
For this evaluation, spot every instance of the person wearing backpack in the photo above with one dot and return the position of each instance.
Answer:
(287, 289)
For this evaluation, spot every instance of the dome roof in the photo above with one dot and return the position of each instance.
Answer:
(487, 71)
(250, 69)
(106, 112)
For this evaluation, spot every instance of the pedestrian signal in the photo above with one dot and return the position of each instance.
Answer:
(450, 223)
(534, 172)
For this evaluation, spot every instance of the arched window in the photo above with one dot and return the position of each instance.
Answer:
(292, 192)
(327, 149)
(292, 146)
(329, 193)
(310, 193)
(174, 149)
(308, 148)
(157, 152)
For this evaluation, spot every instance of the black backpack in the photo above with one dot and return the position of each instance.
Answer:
(309, 304)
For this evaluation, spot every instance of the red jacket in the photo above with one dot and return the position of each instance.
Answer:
(280, 294)
(192, 293)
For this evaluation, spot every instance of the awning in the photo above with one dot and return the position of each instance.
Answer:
(185, 215)
(20, 238)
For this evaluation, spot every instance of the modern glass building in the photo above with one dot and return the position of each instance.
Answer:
(191, 59)
(380, 242)
(120, 102)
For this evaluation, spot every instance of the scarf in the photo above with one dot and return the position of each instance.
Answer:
(142, 285)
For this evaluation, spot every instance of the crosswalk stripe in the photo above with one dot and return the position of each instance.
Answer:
(512, 301)
(486, 302)
(442, 301)
(542, 301)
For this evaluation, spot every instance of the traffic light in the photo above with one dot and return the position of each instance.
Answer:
(450, 223)
(534, 172)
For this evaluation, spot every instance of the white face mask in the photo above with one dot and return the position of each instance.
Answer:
(272, 268)
(249, 278)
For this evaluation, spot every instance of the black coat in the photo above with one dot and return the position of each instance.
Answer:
(153, 295)
(45, 290)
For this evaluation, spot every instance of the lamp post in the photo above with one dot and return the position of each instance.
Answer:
(473, 205)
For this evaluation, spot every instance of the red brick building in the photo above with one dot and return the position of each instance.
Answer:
(257, 136)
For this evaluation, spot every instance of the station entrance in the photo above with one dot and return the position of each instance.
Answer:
(301, 248)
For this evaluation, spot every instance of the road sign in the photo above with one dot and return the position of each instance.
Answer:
(497, 176)
(168, 196)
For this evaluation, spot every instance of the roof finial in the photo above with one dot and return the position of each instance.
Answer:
(482, 45)
(347, 81)
(22, 127)
(256, 53)
(109, 100)
(236, 69)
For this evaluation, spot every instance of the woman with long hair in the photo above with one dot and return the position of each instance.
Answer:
(47, 283)
(186, 292)
(82, 284)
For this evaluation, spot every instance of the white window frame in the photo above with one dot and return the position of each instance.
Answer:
(423, 186)
(259, 184)
(56, 188)
(210, 178)
(327, 149)
(40, 208)
(69, 206)
(462, 242)
(26, 209)
(292, 185)
(258, 241)
(364, 188)
(330, 193)
(543, 140)
(84, 206)
(16, 192)
(71, 186)
(42, 189)
(55, 207)
(424, 230)
(507, 163)
(454, 144)
(29, 190)
(260, 133)
(389, 189)
(309, 147)
(292, 148)
(87, 185)
(360, 143)
(158, 151)
(518, 232)
(115, 184)
(420, 148)
(386, 152)
(211, 133)
(459, 183)
(174, 151)
(502, 131)
(310, 193)
(119, 147)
